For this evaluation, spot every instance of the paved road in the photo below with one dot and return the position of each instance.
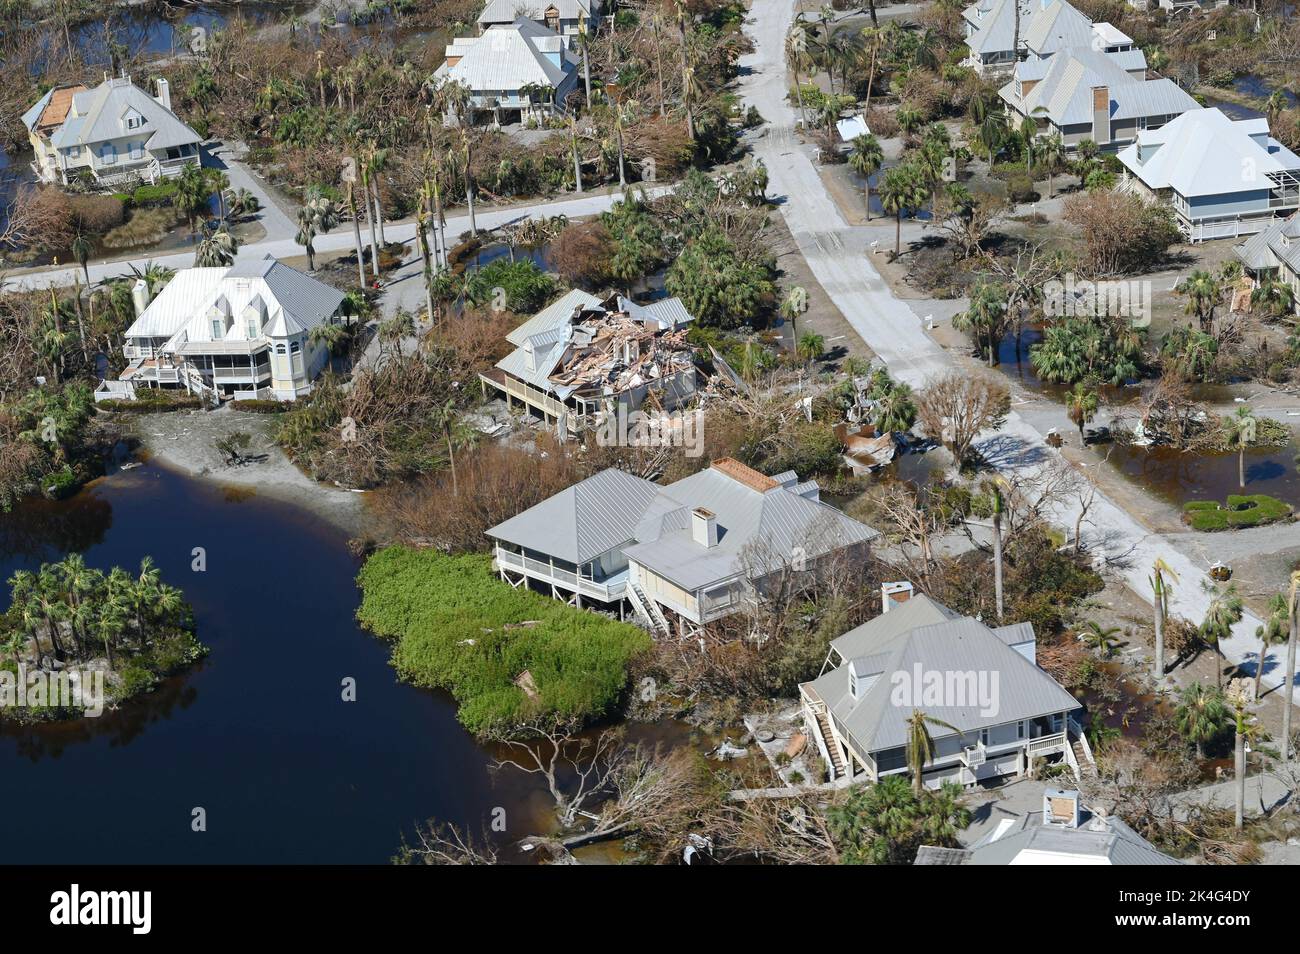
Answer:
(279, 245)
(836, 254)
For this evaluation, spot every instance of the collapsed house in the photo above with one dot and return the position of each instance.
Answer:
(581, 358)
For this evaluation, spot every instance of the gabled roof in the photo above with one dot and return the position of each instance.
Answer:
(51, 109)
(583, 521)
(1099, 840)
(557, 314)
(1278, 245)
(875, 722)
(96, 116)
(1065, 92)
(292, 302)
(996, 24)
(509, 57)
(1203, 152)
(758, 530)
(505, 11)
(613, 508)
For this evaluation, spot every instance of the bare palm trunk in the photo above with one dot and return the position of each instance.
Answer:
(356, 234)
(1239, 766)
(1288, 683)
(1159, 672)
(997, 562)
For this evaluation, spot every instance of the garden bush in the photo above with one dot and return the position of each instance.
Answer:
(458, 628)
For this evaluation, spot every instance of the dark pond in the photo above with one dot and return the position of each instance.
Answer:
(1180, 476)
(258, 735)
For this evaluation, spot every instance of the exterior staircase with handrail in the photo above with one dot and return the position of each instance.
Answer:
(645, 609)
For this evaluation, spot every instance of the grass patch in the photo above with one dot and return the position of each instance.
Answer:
(145, 227)
(1245, 510)
(457, 627)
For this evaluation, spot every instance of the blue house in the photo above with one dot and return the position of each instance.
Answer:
(1224, 178)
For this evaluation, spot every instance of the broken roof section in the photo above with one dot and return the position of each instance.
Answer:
(581, 345)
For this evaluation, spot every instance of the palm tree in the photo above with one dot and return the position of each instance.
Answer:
(1160, 589)
(1201, 715)
(1203, 293)
(920, 746)
(81, 249)
(1051, 152)
(1081, 403)
(796, 53)
(1277, 102)
(811, 347)
(317, 215)
(865, 158)
(356, 234)
(792, 306)
(901, 189)
(1102, 639)
(1276, 298)
(1223, 613)
(193, 190)
(999, 505)
(217, 250)
(1239, 429)
(992, 132)
(895, 411)
(984, 318)
(1245, 727)
(376, 161)
(1274, 632)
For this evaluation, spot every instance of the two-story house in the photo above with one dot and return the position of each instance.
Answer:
(1274, 253)
(1223, 177)
(242, 331)
(515, 72)
(109, 135)
(679, 556)
(581, 358)
(920, 656)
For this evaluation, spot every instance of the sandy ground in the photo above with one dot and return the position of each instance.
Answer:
(185, 441)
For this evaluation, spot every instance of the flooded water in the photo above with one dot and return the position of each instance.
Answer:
(258, 734)
(1180, 476)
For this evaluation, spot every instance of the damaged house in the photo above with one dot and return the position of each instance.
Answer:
(580, 358)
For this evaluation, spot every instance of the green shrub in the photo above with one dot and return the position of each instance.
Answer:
(1248, 510)
(154, 194)
(261, 406)
(456, 627)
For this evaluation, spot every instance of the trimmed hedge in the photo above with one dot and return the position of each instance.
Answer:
(457, 627)
(183, 401)
(1239, 510)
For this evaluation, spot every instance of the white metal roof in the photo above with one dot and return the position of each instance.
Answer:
(508, 57)
(1203, 152)
(287, 301)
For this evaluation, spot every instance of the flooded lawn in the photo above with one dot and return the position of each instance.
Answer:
(1180, 476)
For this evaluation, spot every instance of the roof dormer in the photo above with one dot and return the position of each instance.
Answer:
(132, 119)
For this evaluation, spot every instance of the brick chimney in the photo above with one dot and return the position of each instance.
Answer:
(1101, 115)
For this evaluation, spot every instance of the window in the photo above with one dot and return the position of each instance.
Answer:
(137, 150)
(295, 347)
(108, 154)
(132, 122)
(279, 349)
(74, 152)
(252, 328)
(217, 328)
(984, 736)
(1020, 729)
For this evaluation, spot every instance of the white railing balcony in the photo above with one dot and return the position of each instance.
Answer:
(1046, 744)
(567, 579)
(973, 756)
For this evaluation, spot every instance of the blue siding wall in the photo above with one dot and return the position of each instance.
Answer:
(1228, 203)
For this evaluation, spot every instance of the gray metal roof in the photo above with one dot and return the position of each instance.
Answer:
(557, 314)
(875, 634)
(97, 116)
(506, 11)
(1277, 246)
(875, 722)
(1054, 26)
(1112, 842)
(583, 521)
(758, 531)
(1065, 92)
(996, 24)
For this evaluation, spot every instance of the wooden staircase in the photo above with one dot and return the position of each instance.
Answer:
(645, 609)
(838, 769)
(1083, 759)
